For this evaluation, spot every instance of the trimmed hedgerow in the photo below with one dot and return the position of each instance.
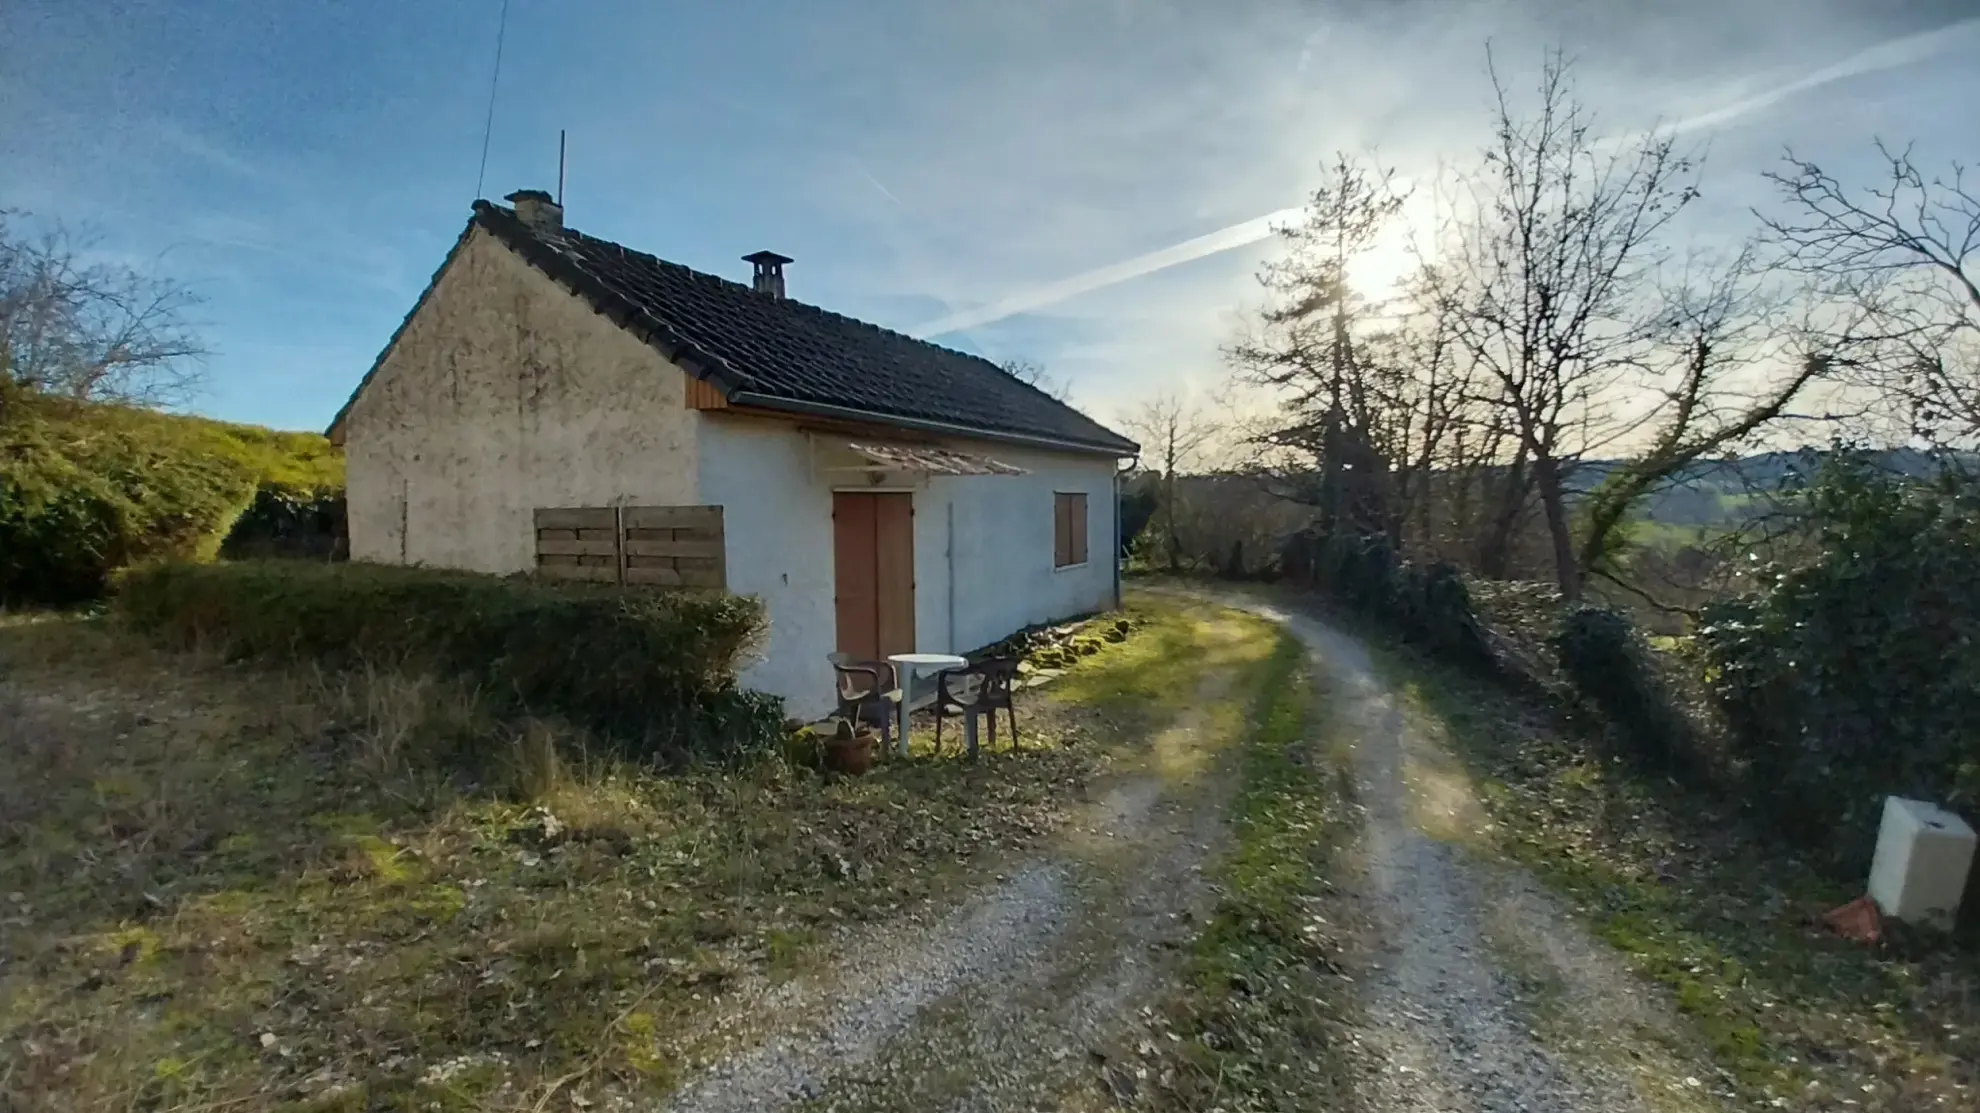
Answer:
(88, 489)
(654, 670)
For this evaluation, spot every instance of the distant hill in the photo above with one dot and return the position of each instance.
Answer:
(1722, 492)
(1707, 496)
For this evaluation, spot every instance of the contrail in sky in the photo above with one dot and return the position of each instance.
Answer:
(1883, 56)
(1223, 239)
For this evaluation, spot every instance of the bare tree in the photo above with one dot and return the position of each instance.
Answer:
(1033, 372)
(1713, 359)
(1175, 437)
(1546, 283)
(1901, 260)
(1420, 382)
(93, 331)
(1311, 350)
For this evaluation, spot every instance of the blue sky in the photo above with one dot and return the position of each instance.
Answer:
(304, 164)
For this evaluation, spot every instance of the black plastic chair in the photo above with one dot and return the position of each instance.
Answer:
(868, 693)
(983, 688)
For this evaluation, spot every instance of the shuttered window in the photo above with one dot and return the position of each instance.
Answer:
(1068, 529)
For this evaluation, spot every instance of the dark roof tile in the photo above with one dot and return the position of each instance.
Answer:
(783, 350)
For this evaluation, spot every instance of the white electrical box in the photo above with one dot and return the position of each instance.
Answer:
(1923, 855)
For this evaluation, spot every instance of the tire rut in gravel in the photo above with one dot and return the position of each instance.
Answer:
(1446, 1029)
(994, 1004)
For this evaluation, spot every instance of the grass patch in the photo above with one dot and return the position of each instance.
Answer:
(229, 887)
(1259, 1025)
(1153, 675)
(1718, 914)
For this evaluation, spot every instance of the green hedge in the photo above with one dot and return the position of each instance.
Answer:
(1427, 604)
(1857, 673)
(654, 670)
(88, 489)
(1610, 666)
(290, 523)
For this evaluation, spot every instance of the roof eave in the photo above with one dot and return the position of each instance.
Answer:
(1114, 450)
(335, 431)
(608, 303)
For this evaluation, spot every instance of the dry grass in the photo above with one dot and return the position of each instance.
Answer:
(233, 888)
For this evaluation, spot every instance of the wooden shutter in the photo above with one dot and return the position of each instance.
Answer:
(873, 573)
(893, 572)
(1061, 533)
(1068, 529)
(855, 574)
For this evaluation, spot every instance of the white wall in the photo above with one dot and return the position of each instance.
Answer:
(504, 393)
(1004, 545)
(778, 521)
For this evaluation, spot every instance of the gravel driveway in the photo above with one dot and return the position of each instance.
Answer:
(1448, 1031)
(992, 1005)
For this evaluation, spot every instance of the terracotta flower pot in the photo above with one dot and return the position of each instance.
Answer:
(853, 755)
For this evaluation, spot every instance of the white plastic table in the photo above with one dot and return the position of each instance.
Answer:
(905, 667)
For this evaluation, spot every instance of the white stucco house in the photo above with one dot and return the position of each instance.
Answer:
(879, 493)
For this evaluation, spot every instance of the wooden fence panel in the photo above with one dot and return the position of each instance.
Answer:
(679, 547)
(662, 546)
(546, 546)
(674, 517)
(570, 517)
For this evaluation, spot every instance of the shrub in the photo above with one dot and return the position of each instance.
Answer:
(1857, 674)
(88, 489)
(1426, 604)
(655, 670)
(296, 523)
(1610, 666)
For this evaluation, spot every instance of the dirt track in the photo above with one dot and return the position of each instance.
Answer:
(994, 1004)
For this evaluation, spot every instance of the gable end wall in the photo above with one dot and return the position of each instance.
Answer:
(504, 393)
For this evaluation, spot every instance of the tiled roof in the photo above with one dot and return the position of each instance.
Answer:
(761, 350)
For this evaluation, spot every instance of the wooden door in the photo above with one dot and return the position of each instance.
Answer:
(873, 570)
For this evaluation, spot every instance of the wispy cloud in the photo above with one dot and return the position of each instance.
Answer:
(1890, 55)
(1885, 56)
(1037, 297)
(190, 143)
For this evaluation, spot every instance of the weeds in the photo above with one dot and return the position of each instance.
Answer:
(248, 888)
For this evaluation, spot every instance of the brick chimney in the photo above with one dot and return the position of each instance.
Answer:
(769, 277)
(537, 209)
